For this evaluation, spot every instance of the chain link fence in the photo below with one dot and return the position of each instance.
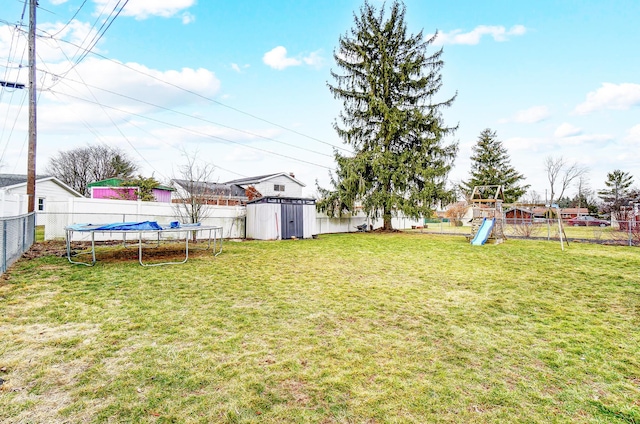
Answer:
(18, 234)
(624, 233)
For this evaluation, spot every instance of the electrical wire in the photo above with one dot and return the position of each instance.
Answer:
(70, 20)
(16, 30)
(128, 141)
(98, 36)
(195, 117)
(200, 133)
(209, 99)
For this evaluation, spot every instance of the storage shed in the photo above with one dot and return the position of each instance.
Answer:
(277, 218)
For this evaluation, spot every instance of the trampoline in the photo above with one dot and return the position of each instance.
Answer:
(144, 231)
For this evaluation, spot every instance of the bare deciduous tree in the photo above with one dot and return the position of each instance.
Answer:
(83, 165)
(560, 175)
(532, 197)
(193, 188)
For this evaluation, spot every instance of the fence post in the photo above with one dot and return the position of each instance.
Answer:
(629, 229)
(4, 245)
(23, 223)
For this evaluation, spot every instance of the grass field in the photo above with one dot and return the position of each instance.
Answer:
(351, 328)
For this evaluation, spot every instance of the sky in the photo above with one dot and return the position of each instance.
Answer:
(242, 85)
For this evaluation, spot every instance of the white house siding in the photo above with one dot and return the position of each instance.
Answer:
(291, 188)
(46, 190)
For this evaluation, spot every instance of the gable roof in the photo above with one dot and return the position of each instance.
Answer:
(213, 189)
(11, 181)
(261, 178)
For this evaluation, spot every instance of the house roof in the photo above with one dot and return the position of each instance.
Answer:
(262, 178)
(579, 211)
(524, 210)
(8, 180)
(11, 181)
(213, 189)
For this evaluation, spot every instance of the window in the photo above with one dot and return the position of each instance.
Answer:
(278, 187)
(40, 203)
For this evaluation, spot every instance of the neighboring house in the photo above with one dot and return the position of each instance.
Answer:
(240, 191)
(281, 185)
(518, 215)
(210, 193)
(112, 188)
(47, 188)
(568, 213)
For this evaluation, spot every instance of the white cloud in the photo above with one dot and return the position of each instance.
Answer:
(567, 130)
(610, 96)
(584, 139)
(314, 59)
(529, 116)
(238, 68)
(277, 58)
(57, 2)
(143, 9)
(49, 50)
(633, 135)
(528, 143)
(134, 80)
(498, 33)
(188, 18)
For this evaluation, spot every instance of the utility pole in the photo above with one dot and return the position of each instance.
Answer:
(31, 160)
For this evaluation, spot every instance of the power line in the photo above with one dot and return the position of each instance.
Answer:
(200, 133)
(14, 85)
(212, 100)
(96, 38)
(128, 141)
(195, 117)
(172, 146)
(71, 19)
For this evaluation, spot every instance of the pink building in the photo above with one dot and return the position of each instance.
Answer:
(112, 189)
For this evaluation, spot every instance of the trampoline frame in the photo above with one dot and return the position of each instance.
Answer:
(214, 239)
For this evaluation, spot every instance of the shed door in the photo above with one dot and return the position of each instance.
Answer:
(292, 225)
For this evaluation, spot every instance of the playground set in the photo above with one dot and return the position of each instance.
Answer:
(488, 217)
(488, 220)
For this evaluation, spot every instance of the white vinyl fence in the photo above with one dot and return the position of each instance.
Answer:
(63, 212)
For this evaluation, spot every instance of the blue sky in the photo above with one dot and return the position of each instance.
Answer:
(247, 82)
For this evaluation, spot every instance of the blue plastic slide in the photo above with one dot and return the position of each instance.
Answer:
(483, 232)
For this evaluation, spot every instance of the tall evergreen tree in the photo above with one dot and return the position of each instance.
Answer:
(387, 84)
(491, 165)
(618, 184)
(616, 194)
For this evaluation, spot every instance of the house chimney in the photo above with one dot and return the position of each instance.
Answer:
(292, 175)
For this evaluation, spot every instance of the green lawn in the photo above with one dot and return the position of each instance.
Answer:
(39, 232)
(357, 328)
